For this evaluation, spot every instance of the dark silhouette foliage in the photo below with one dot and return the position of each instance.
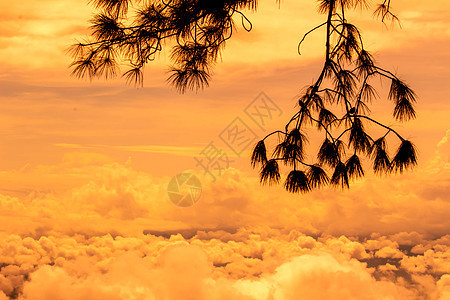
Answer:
(196, 30)
(297, 181)
(270, 172)
(337, 104)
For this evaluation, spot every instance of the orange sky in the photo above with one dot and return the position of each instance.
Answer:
(84, 168)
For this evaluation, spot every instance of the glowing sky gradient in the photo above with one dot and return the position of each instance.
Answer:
(84, 168)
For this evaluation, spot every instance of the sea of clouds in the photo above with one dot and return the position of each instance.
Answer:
(90, 228)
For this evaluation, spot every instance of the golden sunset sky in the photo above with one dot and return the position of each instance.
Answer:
(85, 165)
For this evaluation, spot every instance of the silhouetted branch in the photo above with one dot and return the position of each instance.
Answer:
(179, 23)
(336, 104)
(348, 68)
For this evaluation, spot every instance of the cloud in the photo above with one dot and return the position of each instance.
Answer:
(444, 287)
(173, 150)
(388, 252)
(258, 263)
(441, 159)
(113, 197)
(82, 221)
(181, 271)
(324, 277)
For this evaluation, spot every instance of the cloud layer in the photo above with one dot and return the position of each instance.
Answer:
(248, 264)
(107, 231)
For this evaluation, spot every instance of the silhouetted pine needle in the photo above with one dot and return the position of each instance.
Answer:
(152, 16)
(354, 167)
(330, 68)
(213, 35)
(194, 53)
(296, 182)
(189, 78)
(134, 76)
(117, 8)
(105, 27)
(403, 98)
(308, 90)
(291, 149)
(280, 149)
(296, 137)
(328, 96)
(358, 138)
(203, 23)
(270, 173)
(304, 99)
(365, 64)
(340, 176)
(293, 153)
(108, 67)
(305, 117)
(354, 3)
(345, 83)
(325, 5)
(326, 117)
(405, 157)
(350, 42)
(84, 67)
(404, 110)
(259, 154)
(316, 102)
(400, 90)
(340, 147)
(249, 4)
(328, 153)
(383, 12)
(362, 108)
(76, 50)
(317, 177)
(368, 92)
(379, 144)
(381, 162)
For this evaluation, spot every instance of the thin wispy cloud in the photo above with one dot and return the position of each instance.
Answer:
(173, 150)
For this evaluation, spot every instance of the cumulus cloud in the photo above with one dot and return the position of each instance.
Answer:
(258, 263)
(441, 159)
(180, 272)
(91, 194)
(89, 228)
(444, 287)
(184, 272)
